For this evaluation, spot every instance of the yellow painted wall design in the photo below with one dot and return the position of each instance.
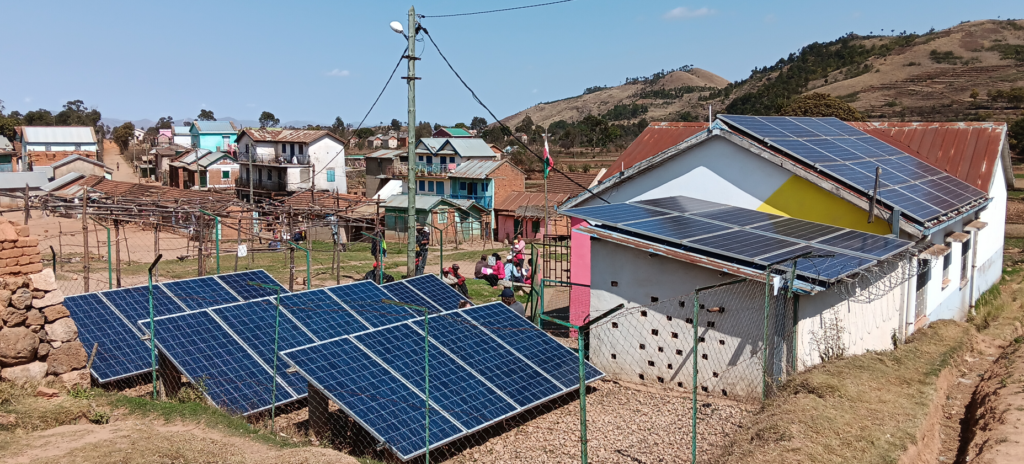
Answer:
(799, 198)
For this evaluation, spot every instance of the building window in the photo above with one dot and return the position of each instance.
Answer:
(440, 188)
(225, 174)
(330, 174)
(536, 227)
(293, 148)
(47, 148)
(444, 160)
(430, 186)
(947, 261)
(483, 186)
(442, 216)
(247, 174)
(423, 186)
(78, 147)
(284, 149)
(430, 159)
(300, 148)
(270, 174)
(965, 260)
(304, 175)
(924, 274)
(227, 141)
(462, 186)
(259, 174)
(421, 158)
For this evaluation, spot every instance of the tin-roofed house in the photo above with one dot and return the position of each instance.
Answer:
(284, 161)
(8, 156)
(942, 192)
(523, 213)
(455, 220)
(57, 140)
(81, 165)
(181, 135)
(213, 135)
(203, 169)
(452, 133)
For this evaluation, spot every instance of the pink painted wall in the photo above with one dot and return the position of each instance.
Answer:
(579, 266)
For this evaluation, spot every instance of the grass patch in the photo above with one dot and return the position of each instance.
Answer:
(1015, 193)
(990, 306)
(864, 408)
(1018, 175)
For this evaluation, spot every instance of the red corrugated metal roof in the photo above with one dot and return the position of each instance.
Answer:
(968, 150)
(516, 199)
(569, 183)
(655, 139)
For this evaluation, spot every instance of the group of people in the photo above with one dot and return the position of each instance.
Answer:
(514, 270)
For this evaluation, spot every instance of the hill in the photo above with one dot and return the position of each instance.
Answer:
(927, 77)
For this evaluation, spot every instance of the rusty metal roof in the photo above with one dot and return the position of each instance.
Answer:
(515, 200)
(969, 151)
(286, 135)
(656, 138)
(562, 183)
(156, 194)
(387, 153)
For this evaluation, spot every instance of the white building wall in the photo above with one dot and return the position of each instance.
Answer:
(183, 140)
(60, 147)
(989, 258)
(324, 153)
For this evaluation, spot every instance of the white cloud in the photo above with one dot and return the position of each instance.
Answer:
(686, 13)
(28, 99)
(339, 73)
(203, 105)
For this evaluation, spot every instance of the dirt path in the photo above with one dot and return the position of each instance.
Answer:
(996, 412)
(122, 169)
(138, 441)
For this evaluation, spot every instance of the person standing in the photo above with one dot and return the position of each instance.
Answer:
(422, 241)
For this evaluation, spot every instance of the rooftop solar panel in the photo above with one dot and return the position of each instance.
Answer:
(851, 156)
(121, 353)
(682, 205)
(740, 217)
(204, 351)
(679, 227)
(620, 213)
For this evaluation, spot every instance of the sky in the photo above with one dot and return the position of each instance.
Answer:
(314, 60)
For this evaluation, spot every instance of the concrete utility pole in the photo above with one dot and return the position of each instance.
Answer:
(411, 78)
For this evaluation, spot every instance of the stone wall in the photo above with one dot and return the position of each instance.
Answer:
(38, 339)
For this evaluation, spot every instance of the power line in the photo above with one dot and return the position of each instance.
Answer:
(475, 97)
(494, 11)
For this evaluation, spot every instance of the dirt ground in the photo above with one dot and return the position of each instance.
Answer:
(146, 441)
(998, 406)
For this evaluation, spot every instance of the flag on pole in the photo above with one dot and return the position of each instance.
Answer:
(548, 162)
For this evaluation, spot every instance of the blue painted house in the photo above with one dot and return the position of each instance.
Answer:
(213, 135)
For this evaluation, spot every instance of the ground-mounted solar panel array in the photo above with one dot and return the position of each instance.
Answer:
(918, 189)
(487, 363)
(108, 318)
(747, 235)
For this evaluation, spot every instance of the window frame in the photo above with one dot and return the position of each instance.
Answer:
(330, 175)
(225, 174)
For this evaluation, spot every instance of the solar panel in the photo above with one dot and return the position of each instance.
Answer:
(442, 294)
(851, 156)
(204, 351)
(490, 365)
(133, 302)
(254, 323)
(322, 315)
(121, 351)
(682, 205)
(404, 293)
(239, 283)
(201, 292)
(459, 393)
(828, 265)
(757, 237)
(620, 213)
(364, 299)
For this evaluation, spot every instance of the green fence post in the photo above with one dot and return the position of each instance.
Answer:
(152, 323)
(110, 264)
(216, 235)
(426, 368)
(277, 325)
(309, 280)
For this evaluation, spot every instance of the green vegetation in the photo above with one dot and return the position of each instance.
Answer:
(789, 77)
(820, 105)
(946, 57)
(657, 76)
(1013, 96)
(1015, 134)
(594, 89)
(673, 93)
(622, 112)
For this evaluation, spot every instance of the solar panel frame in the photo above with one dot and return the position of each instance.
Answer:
(238, 283)
(201, 292)
(406, 294)
(323, 315)
(127, 356)
(434, 289)
(682, 205)
(681, 228)
(620, 213)
(133, 302)
(217, 390)
(364, 299)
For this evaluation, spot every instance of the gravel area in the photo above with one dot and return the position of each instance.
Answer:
(1015, 211)
(625, 424)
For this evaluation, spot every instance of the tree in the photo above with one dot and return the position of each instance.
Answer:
(423, 130)
(687, 116)
(974, 94)
(526, 125)
(364, 133)
(821, 105)
(123, 135)
(267, 119)
(1016, 136)
(396, 125)
(207, 115)
(38, 117)
(478, 123)
(75, 113)
(7, 126)
(437, 126)
(167, 122)
(461, 125)
(338, 127)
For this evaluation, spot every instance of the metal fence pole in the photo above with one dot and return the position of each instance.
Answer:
(309, 279)
(216, 235)
(583, 397)
(110, 266)
(764, 340)
(85, 240)
(693, 385)
(117, 250)
(152, 323)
